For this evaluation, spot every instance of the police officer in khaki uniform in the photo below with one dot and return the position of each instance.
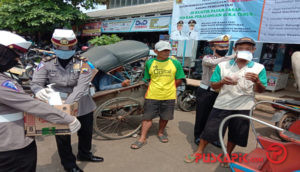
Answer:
(18, 152)
(206, 96)
(70, 76)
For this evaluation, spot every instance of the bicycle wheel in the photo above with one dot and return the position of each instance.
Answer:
(118, 118)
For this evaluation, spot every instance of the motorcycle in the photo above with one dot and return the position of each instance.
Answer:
(287, 116)
(186, 99)
(31, 61)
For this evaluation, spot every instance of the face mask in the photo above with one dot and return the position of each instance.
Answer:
(222, 52)
(246, 55)
(62, 54)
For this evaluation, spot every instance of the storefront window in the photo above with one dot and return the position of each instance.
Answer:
(111, 4)
(123, 3)
(141, 1)
(117, 3)
(134, 2)
(147, 1)
(128, 2)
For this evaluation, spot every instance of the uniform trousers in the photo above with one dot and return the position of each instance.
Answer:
(68, 160)
(19, 160)
(205, 100)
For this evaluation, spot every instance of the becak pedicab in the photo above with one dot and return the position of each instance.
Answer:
(275, 156)
(119, 111)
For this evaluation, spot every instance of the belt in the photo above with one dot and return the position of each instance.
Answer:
(11, 117)
(205, 87)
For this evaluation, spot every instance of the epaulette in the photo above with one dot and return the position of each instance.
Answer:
(209, 56)
(84, 59)
(48, 58)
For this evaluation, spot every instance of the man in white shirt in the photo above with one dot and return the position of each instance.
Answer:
(237, 80)
(192, 34)
(178, 34)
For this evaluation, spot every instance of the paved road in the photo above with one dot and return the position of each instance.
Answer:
(153, 157)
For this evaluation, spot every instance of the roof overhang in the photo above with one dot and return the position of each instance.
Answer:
(129, 11)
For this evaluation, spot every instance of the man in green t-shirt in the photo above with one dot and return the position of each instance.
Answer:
(164, 74)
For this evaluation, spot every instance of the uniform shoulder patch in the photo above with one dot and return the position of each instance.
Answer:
(9, 84)
(40, 66)
(81, 58)
(85, 68)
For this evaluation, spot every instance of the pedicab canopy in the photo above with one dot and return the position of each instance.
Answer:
(108, 57)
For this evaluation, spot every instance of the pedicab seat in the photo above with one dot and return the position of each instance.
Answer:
(100, 94)
(291, 162)
(290, 136)
(256, 159)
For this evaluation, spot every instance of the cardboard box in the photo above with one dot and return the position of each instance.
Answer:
(35, 126)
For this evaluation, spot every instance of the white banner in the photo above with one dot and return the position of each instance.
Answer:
(274, 21)
(150, 24)
(117, 25)
(281, 22)
(207, 19)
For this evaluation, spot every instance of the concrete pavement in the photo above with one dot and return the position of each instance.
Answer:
(153, 157)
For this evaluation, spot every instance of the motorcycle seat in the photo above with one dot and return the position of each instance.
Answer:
(289, 102)
(293, 102)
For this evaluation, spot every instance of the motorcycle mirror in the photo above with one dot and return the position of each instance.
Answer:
(84, 48)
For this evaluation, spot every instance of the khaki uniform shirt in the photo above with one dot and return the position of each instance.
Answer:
(72, 82)
(209, 63)
(13, 102)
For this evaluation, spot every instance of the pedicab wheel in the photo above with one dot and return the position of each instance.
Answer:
(285, 122)
(184, 101)
(118, 118)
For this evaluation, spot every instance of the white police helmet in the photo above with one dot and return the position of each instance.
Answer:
(14, 41)
(64, 39)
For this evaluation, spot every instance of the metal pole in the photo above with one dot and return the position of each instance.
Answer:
(183, 55)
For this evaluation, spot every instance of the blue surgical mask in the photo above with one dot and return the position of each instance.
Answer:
(63, 54)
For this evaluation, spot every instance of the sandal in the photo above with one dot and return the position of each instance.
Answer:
(163, 139)
(197, 141)
(224, 164)
(189, 158)
(137, 144)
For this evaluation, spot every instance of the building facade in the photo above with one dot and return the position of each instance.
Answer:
(124, 3)
(147, 21)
